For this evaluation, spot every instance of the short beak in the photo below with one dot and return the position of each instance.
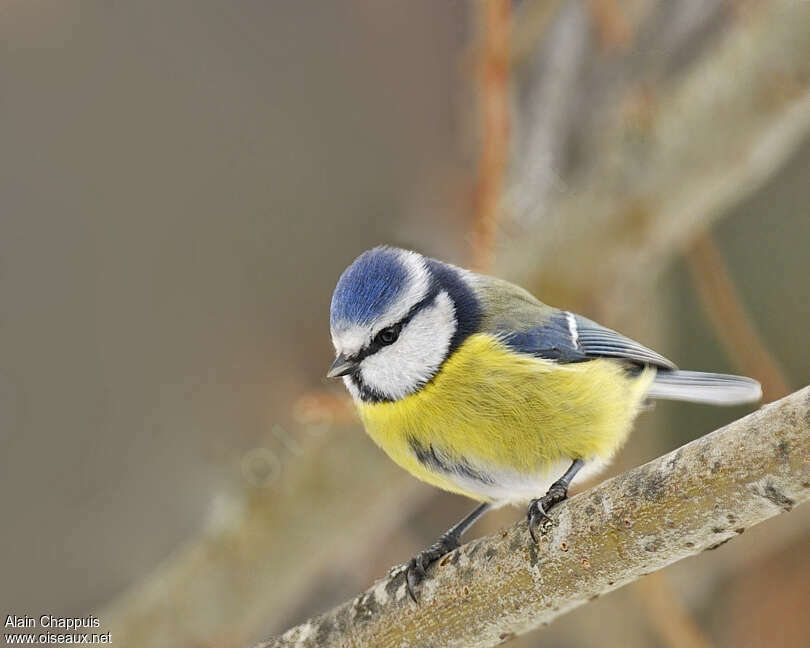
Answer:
(341, 367)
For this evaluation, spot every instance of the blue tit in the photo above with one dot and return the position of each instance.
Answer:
(473, 385)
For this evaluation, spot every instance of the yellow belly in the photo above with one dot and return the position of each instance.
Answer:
(494, 412)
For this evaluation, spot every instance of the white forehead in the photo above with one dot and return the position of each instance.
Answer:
(349, 339)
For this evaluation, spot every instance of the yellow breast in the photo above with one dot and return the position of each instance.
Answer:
(492, 411)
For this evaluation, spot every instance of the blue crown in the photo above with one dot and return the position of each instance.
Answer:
(368, 287)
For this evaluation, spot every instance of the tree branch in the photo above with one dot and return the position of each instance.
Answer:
(690, 500)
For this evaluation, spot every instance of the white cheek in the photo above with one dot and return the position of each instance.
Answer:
(410, 362)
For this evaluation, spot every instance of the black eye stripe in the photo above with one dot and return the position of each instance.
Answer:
(375, 345)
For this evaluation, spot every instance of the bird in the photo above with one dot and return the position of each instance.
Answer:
(473, 385)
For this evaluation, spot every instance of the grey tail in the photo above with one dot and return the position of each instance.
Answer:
(699, 387)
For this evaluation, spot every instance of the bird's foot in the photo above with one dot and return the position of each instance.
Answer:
(539, 508)
(416, 571)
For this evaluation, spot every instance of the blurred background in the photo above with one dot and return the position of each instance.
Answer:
(181, 184)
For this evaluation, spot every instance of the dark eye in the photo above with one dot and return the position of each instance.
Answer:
(388, 335)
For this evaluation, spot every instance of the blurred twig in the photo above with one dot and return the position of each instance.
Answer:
(692, 499)
(324, 407)
(493, 83)
(731, 321)
(227, 579)
(712, 135)
(611, 24)
(533, 19)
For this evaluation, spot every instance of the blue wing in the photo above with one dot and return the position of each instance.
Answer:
(567, 337)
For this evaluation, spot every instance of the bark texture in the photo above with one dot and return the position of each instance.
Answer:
(691, 500)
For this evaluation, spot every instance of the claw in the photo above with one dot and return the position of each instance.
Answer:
(535, 513)
(538, 507)
(416, 571)
(414, 574)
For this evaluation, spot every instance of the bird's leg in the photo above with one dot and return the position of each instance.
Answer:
(415, 572)
(539, 508)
